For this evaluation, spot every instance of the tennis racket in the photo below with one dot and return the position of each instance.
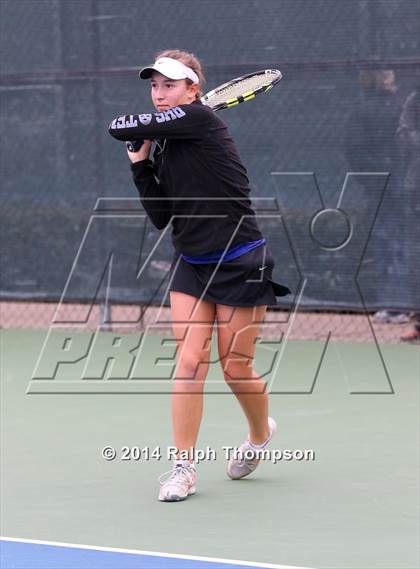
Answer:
(233, 93)
(241, 89)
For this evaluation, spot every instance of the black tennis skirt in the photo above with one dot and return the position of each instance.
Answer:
(244, 281)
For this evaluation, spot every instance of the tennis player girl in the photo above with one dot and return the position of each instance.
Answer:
(221, 270)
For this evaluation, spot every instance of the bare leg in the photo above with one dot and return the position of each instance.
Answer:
(238, 328)
(192, 324)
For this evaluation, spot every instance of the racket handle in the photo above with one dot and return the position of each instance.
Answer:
(134, 145)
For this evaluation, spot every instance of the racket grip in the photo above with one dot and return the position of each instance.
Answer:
(134, 145)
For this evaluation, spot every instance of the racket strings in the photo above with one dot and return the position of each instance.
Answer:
(240, 88)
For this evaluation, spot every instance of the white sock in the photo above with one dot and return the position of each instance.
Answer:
(257, 447)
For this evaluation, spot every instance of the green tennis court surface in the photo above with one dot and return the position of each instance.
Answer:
(354, 505)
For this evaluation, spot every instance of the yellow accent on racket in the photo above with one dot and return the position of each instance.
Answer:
(232, 102)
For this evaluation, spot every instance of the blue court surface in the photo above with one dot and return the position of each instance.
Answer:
(31, 554)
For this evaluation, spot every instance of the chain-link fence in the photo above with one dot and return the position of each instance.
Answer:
(327, 163)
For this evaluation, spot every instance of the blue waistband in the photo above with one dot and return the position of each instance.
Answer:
(230, 254)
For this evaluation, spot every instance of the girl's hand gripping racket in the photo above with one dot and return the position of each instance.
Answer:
(134, 145)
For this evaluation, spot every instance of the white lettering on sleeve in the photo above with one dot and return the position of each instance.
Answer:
(120, 122)
(178, 112)
(131, 122)
(125, 121)
(169, 115)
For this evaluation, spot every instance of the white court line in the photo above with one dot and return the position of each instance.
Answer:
(153, 553)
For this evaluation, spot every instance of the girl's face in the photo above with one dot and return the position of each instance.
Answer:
(168, 93)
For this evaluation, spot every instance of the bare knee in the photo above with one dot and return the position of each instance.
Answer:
(234, 370)
(192, 369)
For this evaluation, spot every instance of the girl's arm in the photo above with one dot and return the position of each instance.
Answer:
(182, 122)
(152, 195)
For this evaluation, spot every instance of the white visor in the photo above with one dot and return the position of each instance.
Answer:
(171, 68)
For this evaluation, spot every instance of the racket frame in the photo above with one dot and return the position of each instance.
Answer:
(246, 96)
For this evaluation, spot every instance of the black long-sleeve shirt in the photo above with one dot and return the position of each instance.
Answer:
(196, 179)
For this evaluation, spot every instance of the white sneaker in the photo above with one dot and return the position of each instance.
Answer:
(245, 460)
(180, 484)
(381, 316)
(399, 318)
(392, 317)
